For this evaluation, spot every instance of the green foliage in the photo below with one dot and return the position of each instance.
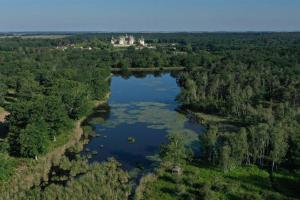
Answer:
(206, 182)
(294, 149)
(34, 139)
(7, 166)
(188, 94)
(252, 78)
(226, 161)
(254, 87)
(98, 181)
(38, 82)
(74, 96)
(278, 144)
(55, 115)
(3, 91)
(208, 142)
(131, 139)
(206, 192)
(239, 144)
(174, 152)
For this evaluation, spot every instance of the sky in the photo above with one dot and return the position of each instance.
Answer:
(149, 15)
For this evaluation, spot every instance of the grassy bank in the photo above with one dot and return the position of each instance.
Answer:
(20, 174)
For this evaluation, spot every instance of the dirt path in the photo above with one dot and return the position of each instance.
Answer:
(3, 115)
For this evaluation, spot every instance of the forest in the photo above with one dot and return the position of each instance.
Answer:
(244, 87)
(255, 89)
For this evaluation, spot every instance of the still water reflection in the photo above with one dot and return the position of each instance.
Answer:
(143, 109)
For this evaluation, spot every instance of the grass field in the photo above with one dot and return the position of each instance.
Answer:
(205, 182)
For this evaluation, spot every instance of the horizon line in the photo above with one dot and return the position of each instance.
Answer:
(179, 31)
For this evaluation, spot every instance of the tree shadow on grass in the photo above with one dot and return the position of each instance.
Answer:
(3, 130)
(287, 186)
(282, 185)
(254, 180)
(169, 191)
(168, 178)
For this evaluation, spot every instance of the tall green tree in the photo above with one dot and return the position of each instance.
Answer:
(259, 142)
(279, 145)
(34, 139)
(55, 115)
(208, 142)
(225, 160)
(188, 94)
(239, 145)
(174, 152)
(3, 91)
(74, 96)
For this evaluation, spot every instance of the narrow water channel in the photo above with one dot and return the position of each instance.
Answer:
(134, 124)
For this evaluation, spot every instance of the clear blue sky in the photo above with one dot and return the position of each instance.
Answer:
(149, 15)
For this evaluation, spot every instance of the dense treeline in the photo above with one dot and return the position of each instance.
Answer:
(44, 90)
(258, 86)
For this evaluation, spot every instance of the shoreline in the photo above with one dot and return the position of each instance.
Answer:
(152, 69)
(32, 172)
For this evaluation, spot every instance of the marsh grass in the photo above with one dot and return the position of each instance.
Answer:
(20, 174)
(106, 180)
(97, 120)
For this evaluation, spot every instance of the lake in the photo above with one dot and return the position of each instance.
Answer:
(142, 108)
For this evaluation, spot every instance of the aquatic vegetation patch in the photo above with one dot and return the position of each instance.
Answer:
(96, 120)
(156, 115)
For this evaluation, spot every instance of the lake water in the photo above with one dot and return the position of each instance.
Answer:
(144, 109)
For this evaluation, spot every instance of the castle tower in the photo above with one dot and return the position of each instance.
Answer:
(122, 40)
(131, 40)
(142, 41)
(113, 41)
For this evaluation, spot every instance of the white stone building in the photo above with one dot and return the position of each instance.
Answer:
(142, 41)
(125, 41)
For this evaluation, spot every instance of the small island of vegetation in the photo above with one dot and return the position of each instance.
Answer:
(131, 139)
